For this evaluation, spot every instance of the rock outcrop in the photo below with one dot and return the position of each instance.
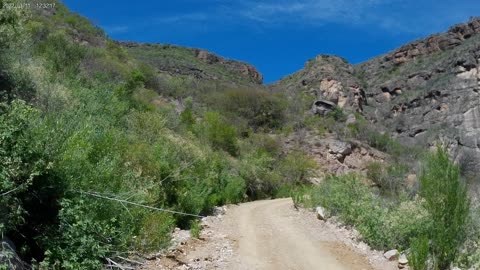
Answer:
(240, 67)
(201, 64)
(335, 156)
(327, 78)
(424, 93)
(430, 94)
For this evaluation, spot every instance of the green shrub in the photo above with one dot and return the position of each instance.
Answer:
(261, 181)
(61, 54)
(260, 108)
(234, 191)
(376, 172)
(154, 232)
(419, 250)
(380, 224)
(187, 116)
(219, 133)
(296, 168)
(83, 238)
(389, 178)
(320, 125)
(11, 25)
(403, 229)
(448, 204)
(338, 115)
(23, 164)
(195, 229)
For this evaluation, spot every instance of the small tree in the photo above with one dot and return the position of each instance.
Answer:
(218, 133)
(448, 204)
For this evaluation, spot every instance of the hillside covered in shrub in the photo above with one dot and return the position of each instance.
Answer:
(85, 127)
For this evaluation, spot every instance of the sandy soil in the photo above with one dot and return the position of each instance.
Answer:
(271, 235)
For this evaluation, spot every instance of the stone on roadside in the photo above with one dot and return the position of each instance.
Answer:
(403, 259)
(391, 255)
(321, 213)
(219, 211)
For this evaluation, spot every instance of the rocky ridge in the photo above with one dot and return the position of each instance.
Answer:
(201, 64)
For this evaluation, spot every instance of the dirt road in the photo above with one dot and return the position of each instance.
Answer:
(272, 235)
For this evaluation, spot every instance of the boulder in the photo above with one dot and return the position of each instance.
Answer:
(321, 213)
(323, 107)
(219, 211)
(403, 259)
(340, 148)
(391, 255)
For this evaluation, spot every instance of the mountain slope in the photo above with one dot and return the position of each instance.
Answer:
(422, 93)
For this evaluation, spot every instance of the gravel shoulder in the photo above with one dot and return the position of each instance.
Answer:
(270, 235)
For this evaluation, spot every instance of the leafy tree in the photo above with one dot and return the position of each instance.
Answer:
(218, 133)
(20, 162)
(261, 109)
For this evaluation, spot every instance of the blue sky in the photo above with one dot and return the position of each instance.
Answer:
(278, 36)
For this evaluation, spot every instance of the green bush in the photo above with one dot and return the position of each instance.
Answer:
(338, 115)
(448, 205)
(419, 250)
(260, 108)
(83, 239)
(61, 54)
(195, 229)
(154, 231)
(389, 178)
(381, 225)
(296, 168)
(260, 180)
(187, 116)
(234, 191)
(218, 133)
(23, 164)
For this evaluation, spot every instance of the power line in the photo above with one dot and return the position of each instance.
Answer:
(137, 204)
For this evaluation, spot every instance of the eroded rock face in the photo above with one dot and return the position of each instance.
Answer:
(427, 92)
(424, 93)
(455, 36)
(328, 78)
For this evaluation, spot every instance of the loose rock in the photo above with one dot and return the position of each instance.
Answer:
(391, 255)
(403, 259)
(321, 213)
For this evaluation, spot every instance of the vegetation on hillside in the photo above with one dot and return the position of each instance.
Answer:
(91, 135)
(431, 228)
(86, 130)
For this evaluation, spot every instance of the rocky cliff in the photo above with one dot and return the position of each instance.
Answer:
(428, 91)
(422, 93)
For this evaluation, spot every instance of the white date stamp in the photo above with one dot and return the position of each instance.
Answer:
(37, 5)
